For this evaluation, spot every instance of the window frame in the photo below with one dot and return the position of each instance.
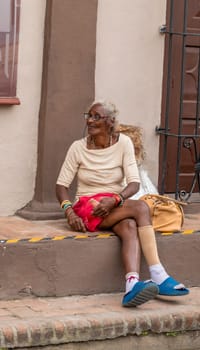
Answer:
(9, 39)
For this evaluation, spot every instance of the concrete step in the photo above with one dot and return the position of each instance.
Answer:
(45, 259)
(100, 322)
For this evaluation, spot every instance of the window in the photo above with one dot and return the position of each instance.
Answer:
(9, 34)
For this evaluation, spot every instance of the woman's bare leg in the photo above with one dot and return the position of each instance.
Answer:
(126, 230)
(131, 209)
(136, 292)
(139, 211)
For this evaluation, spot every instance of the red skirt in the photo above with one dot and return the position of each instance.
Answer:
(84, 209)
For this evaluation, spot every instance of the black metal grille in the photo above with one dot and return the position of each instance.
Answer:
(188, 141)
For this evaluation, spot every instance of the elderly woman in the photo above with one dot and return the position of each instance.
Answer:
(107, 176)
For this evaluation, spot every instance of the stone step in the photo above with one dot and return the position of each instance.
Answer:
(73, 263)
(100, 322)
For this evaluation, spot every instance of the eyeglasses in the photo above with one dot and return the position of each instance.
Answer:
(95, 117)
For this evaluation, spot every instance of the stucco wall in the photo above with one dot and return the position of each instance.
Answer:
(129, 65)
(19, 124)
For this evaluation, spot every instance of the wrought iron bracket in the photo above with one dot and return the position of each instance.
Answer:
(189, 143)
(160, 130)
(163, 29)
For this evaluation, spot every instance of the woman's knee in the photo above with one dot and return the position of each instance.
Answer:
(140, 208)
(126, 229)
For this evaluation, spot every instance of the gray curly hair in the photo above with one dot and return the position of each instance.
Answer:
(110, 110)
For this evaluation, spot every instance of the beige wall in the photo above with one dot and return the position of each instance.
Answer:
(129, 65)
(19, 124)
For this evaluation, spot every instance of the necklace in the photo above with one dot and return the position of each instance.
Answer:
(95, 146)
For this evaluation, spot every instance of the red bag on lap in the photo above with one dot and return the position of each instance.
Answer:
(84, 208)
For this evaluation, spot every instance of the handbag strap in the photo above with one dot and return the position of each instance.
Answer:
(164, 198)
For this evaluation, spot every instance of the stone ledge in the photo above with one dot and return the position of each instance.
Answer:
(92, 265)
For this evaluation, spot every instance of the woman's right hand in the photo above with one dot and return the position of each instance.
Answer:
(75, 221)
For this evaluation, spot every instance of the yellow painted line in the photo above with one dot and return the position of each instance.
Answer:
(58, 238)
(188, 232)
(104, 235)
(84, 236)
(80, 236)
(14, 240)
(167, 233)
(35, 239)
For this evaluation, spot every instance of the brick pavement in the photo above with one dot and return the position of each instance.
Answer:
(46, 321)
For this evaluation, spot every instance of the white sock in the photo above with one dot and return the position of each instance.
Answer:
(131, 279)
(158, 273)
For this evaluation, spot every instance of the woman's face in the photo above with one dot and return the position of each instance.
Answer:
(97, 121)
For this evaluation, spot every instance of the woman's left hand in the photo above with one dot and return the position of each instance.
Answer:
(104, 207)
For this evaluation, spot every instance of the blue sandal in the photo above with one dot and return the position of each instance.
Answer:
(170, 287)
(140, 294)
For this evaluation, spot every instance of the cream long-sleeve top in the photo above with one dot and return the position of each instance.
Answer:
(99, 170)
